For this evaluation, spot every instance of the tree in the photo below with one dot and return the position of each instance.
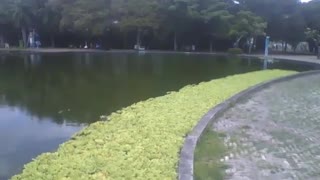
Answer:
(294, 28)
(310, 12)
(285, 20)
(87, 17)
(172, 22)
(23, 16)
(4, 19)
(50, 18)
(179, 17)
(275, 12)
(313, 35)
(137, 15)
(217, 18)
(247, 25)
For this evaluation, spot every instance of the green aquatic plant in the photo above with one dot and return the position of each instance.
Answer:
(141, 141)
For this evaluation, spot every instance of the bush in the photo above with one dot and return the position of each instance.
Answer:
(235, 51)
(142, 141)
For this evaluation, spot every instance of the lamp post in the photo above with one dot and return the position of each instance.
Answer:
(266, 53)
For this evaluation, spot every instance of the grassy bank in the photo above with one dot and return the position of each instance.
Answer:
(141, 141)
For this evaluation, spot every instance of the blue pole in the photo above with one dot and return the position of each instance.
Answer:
(265, 64)
(266, 50)
(266, 53)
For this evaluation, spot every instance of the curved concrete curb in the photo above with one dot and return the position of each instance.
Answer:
(185, 169)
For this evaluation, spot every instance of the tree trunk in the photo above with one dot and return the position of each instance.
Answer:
(175, 44)
(24, 36)
(53, 43)
(250, 45)
(138, 43)
(125, 45)
(317, 49)
(285, 47)
(236, 45)
(255, 43)
(1, 41)
(211, 46)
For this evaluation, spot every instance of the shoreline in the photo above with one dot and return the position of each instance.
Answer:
(297, 58)
(49, 50)
(70, 50)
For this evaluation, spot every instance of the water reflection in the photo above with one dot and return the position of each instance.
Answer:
(21, 138)
(267, 61)
(85, 86)
(45, 98)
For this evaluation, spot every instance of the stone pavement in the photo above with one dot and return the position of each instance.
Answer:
(275, 134)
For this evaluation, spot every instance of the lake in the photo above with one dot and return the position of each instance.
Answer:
(46, 98)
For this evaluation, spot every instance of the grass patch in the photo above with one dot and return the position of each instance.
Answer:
(142, 141)
(209, 151)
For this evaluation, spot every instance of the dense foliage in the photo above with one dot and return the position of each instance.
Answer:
(158, 24)
(141, 141)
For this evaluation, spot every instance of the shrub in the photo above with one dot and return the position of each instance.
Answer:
(235, 51)
(141, 141)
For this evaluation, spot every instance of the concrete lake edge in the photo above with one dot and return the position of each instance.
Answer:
(312, 59)
(186, 162)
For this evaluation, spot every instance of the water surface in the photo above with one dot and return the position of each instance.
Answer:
(46, 98)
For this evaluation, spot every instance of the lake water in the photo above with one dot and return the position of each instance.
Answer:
(46, 98)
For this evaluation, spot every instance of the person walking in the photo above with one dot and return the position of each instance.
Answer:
(37, 40)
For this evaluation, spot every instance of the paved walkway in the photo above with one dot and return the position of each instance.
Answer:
(275, 134)
(303, 58)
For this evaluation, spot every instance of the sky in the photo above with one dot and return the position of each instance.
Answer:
(305, 0)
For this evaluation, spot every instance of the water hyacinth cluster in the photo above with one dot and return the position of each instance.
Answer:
(141, 141)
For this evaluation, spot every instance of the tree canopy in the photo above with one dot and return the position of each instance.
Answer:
(159, 24)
